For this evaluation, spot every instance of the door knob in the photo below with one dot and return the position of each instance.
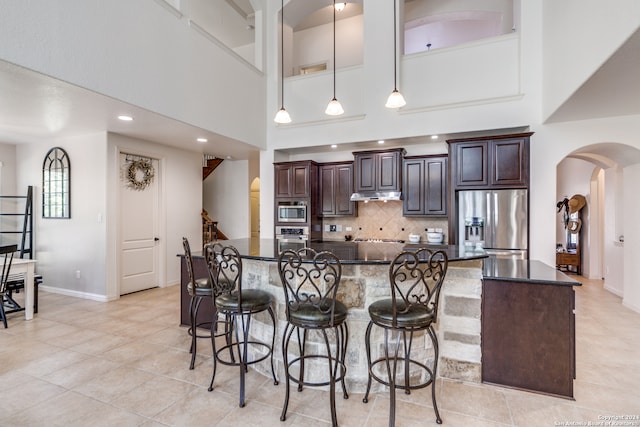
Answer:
(155, 239)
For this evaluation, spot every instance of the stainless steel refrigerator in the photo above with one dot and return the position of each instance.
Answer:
(495, 220)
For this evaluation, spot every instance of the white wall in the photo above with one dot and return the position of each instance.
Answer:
(63, 246)
(226, 197)
(315, 45)
(614, 253)
(579, 36)
(133, 51)
(631, 207)
(8, 171)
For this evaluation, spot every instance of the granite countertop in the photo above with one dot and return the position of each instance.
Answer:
(348, 252)
(525, 271)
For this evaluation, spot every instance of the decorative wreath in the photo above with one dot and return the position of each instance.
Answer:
(140, 174)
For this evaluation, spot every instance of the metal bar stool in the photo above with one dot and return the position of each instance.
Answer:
(310, 281)
(415, 279)
(199, 290)
(238, 305)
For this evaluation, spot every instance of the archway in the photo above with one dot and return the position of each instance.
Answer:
(255, 208)
(606, 173)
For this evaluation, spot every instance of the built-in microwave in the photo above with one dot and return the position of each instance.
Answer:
(292, 211)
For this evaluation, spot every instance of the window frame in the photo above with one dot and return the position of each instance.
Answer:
(56, 189)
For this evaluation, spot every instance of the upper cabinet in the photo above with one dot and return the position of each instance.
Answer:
(424, 186)
(490, 162)
(294, 179)
(336, 186)
(378, 170)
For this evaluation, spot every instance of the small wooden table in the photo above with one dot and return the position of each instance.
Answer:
(26, 267)
(564, 260)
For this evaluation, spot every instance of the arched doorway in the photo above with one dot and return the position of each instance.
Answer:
(606, 173)
(255, 208)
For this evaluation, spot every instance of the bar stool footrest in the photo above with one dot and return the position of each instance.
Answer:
(297, 360)
(400, 381)
(235, 350)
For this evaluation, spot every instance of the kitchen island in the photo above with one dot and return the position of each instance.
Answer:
(364, 281)
(503, 321)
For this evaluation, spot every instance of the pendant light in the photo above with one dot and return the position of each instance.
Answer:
(334, 108)
(395, 100)
(282, 116)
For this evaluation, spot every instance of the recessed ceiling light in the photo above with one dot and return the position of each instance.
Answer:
(381, 141)
(340, 6)
(125, 118)
(334, 146)
(434, 136)
(228, 157)
(202, 140)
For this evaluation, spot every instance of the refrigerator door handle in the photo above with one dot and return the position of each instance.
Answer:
(495, 212)
(489, 224)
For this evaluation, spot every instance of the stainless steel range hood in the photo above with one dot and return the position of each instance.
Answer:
(381, 196)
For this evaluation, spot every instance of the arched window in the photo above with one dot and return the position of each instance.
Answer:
(56, 181)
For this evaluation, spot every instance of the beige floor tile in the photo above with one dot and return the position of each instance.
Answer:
(62, 410)
(200, 407)
(113, 383)
(101, 343)
(132, 354)
(486, 403)
(22, 391)
(132, 351)
(23, 353)
(154, 396)
(80, 372)
(56, 361)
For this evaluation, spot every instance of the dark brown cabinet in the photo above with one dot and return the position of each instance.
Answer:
(528, 336)
(378, 170)
(336, 187)
(294, 179)
(509, 162)
(490, 162)
(424, 186)
(471, 164)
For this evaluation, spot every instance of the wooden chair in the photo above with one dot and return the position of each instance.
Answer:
(6, 301)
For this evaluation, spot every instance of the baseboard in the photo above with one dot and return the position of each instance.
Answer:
(76, 294)
(631, 306)
(614, 291)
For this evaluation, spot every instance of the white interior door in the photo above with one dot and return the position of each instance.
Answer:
(139, 218)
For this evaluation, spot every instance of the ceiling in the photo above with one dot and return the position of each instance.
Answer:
(35, 107)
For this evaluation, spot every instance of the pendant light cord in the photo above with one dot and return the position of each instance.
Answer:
(282, 53)
(395, 53)
(334, 49)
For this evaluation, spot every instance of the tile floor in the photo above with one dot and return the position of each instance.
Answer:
(125, 363)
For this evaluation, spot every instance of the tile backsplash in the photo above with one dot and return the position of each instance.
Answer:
(380, 220)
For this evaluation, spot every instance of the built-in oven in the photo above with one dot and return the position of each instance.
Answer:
(292, 211)
(291, 238)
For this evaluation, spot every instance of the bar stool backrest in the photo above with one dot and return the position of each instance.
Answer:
(225, 269)
(188, 260)
(416, 278)
(310, 278)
